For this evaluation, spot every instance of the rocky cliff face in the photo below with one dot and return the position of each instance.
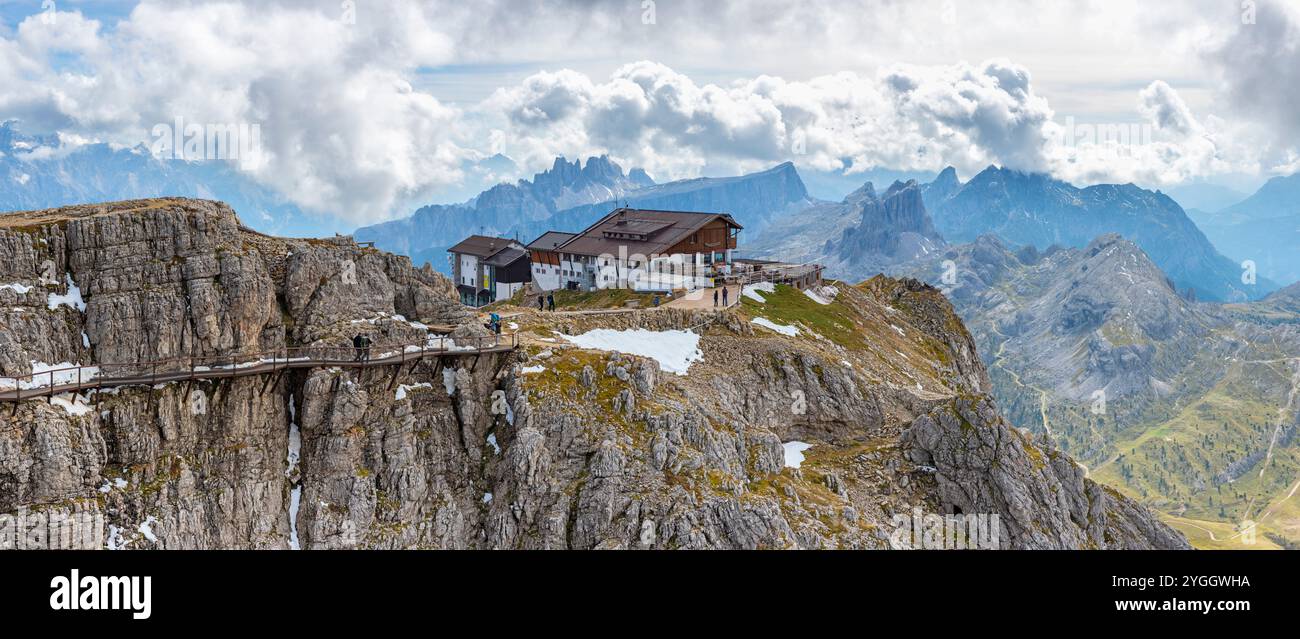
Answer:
(865, 234)
(879, 390)
(894, 227)
(204, 465)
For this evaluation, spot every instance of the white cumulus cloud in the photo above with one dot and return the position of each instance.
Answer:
(353, 126)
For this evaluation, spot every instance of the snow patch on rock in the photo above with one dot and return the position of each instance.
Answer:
(822, 294)
(769, 324)
(72, 299)
(794, 453)
(674, 350)
(755, 291)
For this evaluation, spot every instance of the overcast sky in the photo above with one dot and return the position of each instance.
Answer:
(366, 107)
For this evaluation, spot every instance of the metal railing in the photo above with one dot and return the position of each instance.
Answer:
(95, 376)
(777, 274)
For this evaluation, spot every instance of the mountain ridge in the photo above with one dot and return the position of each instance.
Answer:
(754, 199)
(1031, 208)
(562, 444)
(1263, 228)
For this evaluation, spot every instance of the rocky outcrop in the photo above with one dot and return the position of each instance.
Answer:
(1043, 500)
(204, 465)
(894, 226)
(606, 452)
(864, 234)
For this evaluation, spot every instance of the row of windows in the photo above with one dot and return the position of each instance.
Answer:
(555, 270)
(707, 258)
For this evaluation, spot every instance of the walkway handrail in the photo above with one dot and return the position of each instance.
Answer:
(773, 273)
(88, 376)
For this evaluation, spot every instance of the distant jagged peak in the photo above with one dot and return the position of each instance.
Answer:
(598, 169)
(991, 179)
(569, 183)
(1113, 246)
(866, 192)
(602, 169)
(898, 186)
(993, 241)
(639, 177)
(893, 226)
(944, 186)
(1107, 240)
(995, 175)
(13, 139)
(785, 174)
(947, 177)
(989, 172)
(1118, 265)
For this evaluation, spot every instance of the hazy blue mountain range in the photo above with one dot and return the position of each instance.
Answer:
(1203, 196)
(508, 210)
(1263, 228)
(754, 199)
(101, 173)
(777, 207)
(833, 186)
(1035, 209)
(570, 196)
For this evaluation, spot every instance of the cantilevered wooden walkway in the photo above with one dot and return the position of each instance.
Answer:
(72, 379)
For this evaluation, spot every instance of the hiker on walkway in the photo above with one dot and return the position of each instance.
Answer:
(715, 297)
(724, 297)
(550, 301)
(541, 302)
(356, 344)
(365, 348)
